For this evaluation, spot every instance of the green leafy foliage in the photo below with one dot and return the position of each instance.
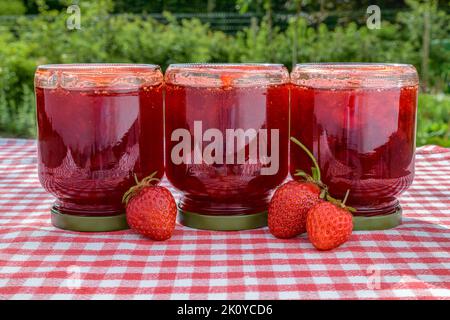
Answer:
(12, 7)
(433, 125)
(106, 37)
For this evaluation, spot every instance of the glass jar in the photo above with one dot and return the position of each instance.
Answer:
(98, 126)
(226, 141)
(359, 121)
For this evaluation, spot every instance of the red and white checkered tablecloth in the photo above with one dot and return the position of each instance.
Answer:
(38, 261)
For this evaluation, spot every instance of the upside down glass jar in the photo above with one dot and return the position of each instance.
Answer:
(359, 121)
(98, 126)
(226, 141)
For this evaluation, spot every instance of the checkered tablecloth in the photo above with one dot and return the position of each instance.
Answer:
(38, 261)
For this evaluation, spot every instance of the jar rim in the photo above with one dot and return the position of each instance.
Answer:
(354, 74)
(224, 66)
(226, 74)
(363, 64)
(85, 76)
(96, 66)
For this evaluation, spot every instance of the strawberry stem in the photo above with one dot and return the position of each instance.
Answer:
(310, 155)
(340, 203)
(345, 197)
(146, 182)
(316, 178)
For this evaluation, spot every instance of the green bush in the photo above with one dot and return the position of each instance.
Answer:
(139, 39)
(12, 7)
(17, 111)
(433, 125)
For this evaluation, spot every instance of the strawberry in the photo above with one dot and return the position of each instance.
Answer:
(289, 206)
(329, 224)
(151, 210)
(291, 202)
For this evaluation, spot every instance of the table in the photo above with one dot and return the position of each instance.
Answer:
(38, 261)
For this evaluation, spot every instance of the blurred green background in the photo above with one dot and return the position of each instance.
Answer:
(34, 32)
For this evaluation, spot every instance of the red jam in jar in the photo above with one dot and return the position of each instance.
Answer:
(359, 121)
(98, 126)
(226, 141)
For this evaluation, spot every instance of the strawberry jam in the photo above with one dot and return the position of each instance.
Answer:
(226, 137)
(359, 121)
(98, 126)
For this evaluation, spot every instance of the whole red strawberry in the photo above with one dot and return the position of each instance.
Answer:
(151, 210)
(329, 225)
(291, 202)
(289, 207)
